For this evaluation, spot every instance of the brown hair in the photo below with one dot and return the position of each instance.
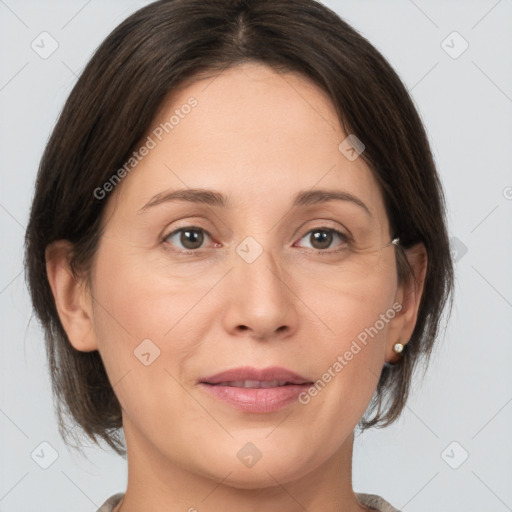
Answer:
(111, 107)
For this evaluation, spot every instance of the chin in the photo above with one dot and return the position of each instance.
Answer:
(257, 479)
(268, 471)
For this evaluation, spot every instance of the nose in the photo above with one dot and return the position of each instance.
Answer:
(260, 303)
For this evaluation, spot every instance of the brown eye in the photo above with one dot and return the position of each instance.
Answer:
(189, 238)
(322, 239)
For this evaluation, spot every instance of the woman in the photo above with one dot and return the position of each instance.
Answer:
(237, 249)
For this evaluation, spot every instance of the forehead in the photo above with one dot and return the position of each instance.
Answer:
(256, 134)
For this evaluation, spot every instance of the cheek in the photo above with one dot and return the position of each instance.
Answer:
(348, 312)
(136, 298)
(141, 336)
(142, 320)
(351, 341)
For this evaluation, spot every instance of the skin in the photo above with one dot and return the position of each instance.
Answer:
(259, 137)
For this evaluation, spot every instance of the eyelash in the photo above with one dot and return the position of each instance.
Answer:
(345, 238)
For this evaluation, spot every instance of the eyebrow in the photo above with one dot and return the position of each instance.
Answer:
(214, 198)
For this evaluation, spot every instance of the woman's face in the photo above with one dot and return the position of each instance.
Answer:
(257, 282)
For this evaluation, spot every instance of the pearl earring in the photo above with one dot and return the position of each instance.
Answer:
(398, 348)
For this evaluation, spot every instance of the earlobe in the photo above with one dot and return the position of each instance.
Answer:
(73, 302)
(409, 297)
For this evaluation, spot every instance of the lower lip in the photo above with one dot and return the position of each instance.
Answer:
(256, 400)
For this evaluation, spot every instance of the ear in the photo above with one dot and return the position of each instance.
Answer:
(408, 296)
(72, 299)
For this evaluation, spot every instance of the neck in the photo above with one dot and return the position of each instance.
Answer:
(159, 484)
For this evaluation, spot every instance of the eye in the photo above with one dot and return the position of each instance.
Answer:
(191, 238)
(322, 238)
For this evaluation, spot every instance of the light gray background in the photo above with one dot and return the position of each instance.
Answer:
(466, 398)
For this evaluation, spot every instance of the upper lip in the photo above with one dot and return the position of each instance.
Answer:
(249, 373)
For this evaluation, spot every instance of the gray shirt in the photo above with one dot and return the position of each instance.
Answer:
(369, 500)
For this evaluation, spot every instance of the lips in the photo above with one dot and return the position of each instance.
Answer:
(249, 377)
(256, 391)
(254, 384)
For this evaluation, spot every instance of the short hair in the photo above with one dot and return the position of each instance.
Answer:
(163, 46)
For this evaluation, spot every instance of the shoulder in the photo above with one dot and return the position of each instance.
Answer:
(376, 502)
(109, 505)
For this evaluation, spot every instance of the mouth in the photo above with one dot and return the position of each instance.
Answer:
(256, 390)
(253, 384)
(249, 377)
